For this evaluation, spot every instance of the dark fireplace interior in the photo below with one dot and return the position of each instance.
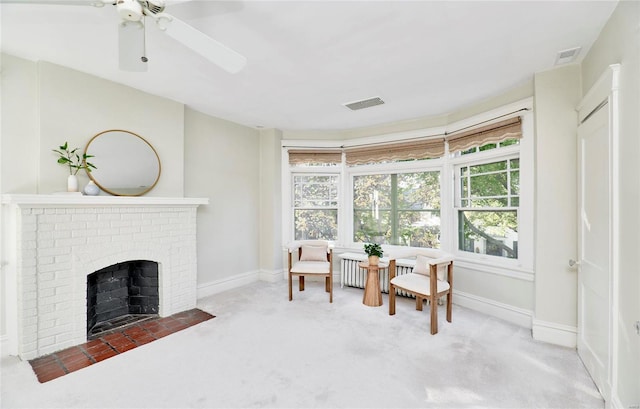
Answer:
(120, 295)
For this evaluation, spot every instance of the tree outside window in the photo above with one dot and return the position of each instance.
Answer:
(488, 212)
(315, 202)
(401, 209)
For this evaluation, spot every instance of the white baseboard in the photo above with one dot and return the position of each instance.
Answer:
(229, 283)
(218, 286)
(272, 276)
(553, 333)
(515, 315)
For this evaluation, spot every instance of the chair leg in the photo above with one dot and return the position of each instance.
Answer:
(419, 302)
(392, 299)
(330, 284)
(434, 315)
(290, 287)
(326, 284)
(449, 302)
(301, 283)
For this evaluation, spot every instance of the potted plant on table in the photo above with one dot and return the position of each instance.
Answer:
(71, 158)
(374, 251)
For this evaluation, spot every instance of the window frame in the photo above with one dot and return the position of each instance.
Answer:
(435, 165)
(313, 171)
(506, 153)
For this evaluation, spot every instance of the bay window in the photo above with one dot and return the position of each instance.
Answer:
(463, 191)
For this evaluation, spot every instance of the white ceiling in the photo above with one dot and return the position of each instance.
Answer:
(307, 58)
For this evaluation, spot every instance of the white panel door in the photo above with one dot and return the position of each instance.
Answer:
(594, 248)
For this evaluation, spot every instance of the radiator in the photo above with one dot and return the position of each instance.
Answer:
(352, 275)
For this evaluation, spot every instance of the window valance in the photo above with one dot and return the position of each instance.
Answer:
(493, 133)
(303, 156)
(415, 149)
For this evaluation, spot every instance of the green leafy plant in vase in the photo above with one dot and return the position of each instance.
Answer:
(75, 162)
(374, 251)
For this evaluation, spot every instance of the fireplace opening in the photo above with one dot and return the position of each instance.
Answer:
(120, 295)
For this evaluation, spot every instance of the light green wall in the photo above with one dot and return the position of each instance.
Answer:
(75, 106)
(619, 42)
(44, 105)
(222, 163)
(514, 292)
(19, 142)
(270, 202)
(557, 93)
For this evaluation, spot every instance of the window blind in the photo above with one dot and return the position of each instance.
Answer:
(302, 156)
(417, 149)
(493, 133)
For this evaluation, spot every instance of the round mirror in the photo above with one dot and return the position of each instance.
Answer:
(127, 165)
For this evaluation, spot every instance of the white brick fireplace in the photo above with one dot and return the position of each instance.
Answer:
(53, 242)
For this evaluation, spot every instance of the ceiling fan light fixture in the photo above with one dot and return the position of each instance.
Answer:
(129, 10)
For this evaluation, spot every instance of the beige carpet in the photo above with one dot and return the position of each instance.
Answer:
(264, 351)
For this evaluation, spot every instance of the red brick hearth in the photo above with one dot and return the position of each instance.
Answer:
(60, 363)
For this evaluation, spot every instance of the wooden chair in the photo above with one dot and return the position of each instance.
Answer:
(427, 280)
(314, 258)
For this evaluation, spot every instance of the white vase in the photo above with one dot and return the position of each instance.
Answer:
(72, 183)
(91, 189)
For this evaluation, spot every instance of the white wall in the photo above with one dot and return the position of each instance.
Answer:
(222, 163)
(619, 42)
(557, 93)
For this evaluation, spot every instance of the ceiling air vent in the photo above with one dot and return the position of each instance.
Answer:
(365, 103)
(567, 56)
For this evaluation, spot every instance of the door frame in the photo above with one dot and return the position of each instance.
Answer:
(605, 91)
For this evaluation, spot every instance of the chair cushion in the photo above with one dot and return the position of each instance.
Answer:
(311, 267)
(418, 283)
(313, 253)
(422, 267)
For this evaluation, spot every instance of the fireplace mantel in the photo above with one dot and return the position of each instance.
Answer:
(51, 243)
(73, 200)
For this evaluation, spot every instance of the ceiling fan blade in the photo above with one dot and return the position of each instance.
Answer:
(131, 46)
(218, 53)
(95, 3)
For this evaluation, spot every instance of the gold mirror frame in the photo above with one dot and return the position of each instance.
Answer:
(109, 188)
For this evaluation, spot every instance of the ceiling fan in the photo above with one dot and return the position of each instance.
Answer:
(131, 32)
